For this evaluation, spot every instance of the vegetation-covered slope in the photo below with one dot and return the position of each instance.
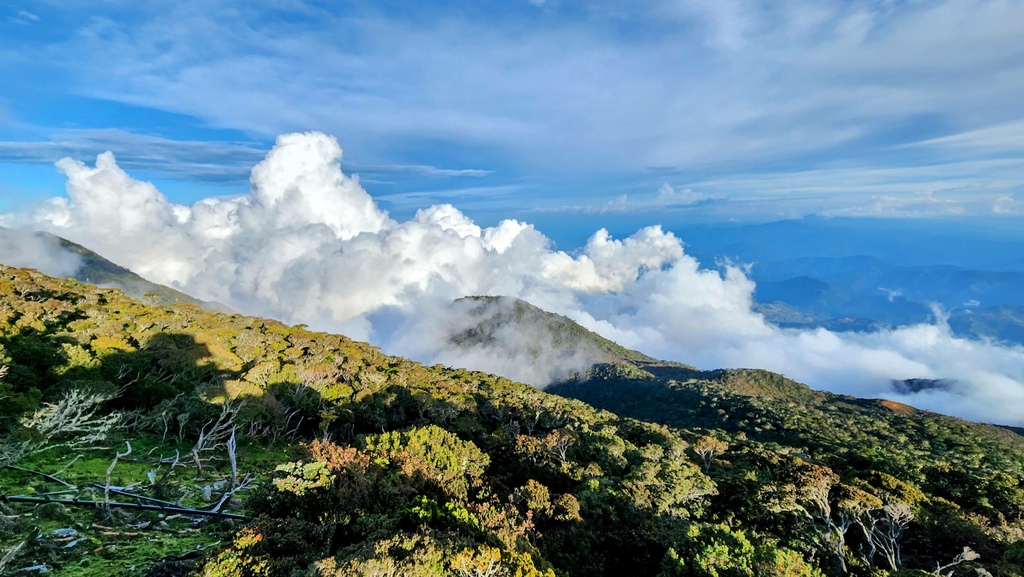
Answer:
(497, 314)
(964, 481)
(419, 470)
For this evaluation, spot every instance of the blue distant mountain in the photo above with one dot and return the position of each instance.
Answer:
(866, 274)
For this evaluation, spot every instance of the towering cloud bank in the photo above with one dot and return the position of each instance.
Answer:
(309, 245)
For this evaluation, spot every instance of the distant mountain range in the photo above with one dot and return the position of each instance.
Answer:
(865, 294)
(870, 274)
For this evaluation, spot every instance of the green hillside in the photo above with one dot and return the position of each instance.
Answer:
(170, 440)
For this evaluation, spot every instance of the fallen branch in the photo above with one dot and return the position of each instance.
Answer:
(226, 497)
(11, 553)
(64, 492)
(44, 475)
(138, 506)
(134, 496)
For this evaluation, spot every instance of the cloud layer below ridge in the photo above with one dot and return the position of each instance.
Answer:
(309, 245)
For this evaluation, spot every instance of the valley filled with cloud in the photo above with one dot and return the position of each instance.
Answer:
(309, 245)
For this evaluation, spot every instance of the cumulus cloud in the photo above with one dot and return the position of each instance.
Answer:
(1006, 205)
(669, 196)
(309, 245)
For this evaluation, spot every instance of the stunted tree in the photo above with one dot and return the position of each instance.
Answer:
(832, 509)
(883, 528)
(707, 448)
(806, 490)
(829, 536)
(75, 416)
(482, 562)
(967, 554)
(559, 441)
(75, 420)
(215, 432)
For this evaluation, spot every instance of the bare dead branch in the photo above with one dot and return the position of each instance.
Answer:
(119, 505)
(134, 496)
(110, 470)
(44, 475)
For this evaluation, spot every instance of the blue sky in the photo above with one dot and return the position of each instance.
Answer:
(745, 109)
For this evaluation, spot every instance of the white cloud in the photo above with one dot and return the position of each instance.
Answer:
(423, 170)
(42, 252)
(966, 187)
(666, 197)
(1006, 205)
(186, 159)
(669, 196)
(24, 18)
(620, 203)
(309, 245)
(569, 94)
(1007, 137)
(924, 204)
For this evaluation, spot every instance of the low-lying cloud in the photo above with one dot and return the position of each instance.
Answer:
(309, 245)
(39, 251)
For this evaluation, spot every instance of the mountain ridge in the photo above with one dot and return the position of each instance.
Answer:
(95, 269)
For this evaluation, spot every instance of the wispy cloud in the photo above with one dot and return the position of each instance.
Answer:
(571, 92)
(709, 82)
(420, 169)
(24, 18)
(968, 187)
(1002, 137)
(185, 159)
(503, 196)
(666, 197)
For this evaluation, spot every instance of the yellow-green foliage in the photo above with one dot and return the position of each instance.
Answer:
(238, 561)
(437, 470)
(298, 478)
(105, 344)
(435, 454)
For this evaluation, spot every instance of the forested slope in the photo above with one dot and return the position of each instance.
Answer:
(345, 461)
